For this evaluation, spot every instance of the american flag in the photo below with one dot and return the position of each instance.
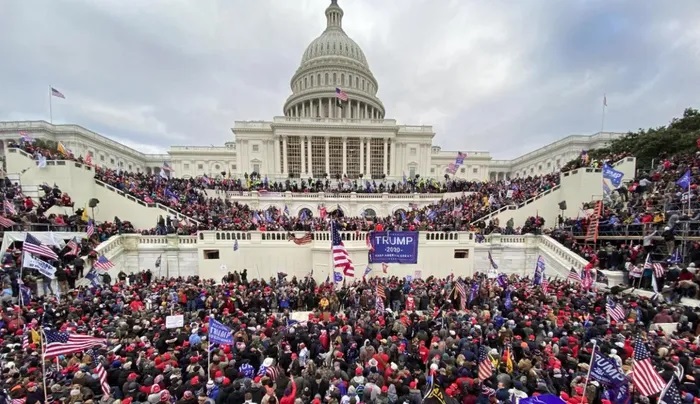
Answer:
(57, 93)
(9, 207)
(19, 400)
(671, 395)
(485, 365)
(459, 286)
(99, 369)
(25, 340)
(103, 263)
(341, 258)
(574, 276)
(655, 266)
(5, 222)
(305, 239)
(63, 343)
(379, 305)
(340, 94)
(102, 374)
(615, 311)
(73, 248)
(25, 137)
(33, 245)
(545, 283)
(645, 378)
(90, 228)
(381, 292)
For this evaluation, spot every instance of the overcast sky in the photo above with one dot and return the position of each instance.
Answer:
(505, 76)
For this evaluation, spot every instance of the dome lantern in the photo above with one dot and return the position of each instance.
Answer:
(334, 16)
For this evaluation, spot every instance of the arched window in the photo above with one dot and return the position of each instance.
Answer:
(305, 213)
(400, 213)
(349, 80)
(318, 79)
(335, 81)
(305, 82)
(326, 79)
(342, 79)
(369, 213)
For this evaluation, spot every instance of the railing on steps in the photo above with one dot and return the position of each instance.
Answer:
(547, 192)
(109, 187)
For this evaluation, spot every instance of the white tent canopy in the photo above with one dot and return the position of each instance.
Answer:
(52, 238)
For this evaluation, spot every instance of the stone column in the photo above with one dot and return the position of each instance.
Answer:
(285, 167)
(368, 173)
(309, 142)
(302, 140)
(328, 115)
(392, 166)
(362, 155)
(366, 113)
(386, 157)
(328, 164)
(345, 155)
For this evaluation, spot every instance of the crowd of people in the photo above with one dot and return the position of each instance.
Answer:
(376, 340)
(507, 339)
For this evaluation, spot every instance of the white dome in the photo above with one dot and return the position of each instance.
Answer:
(334, 61)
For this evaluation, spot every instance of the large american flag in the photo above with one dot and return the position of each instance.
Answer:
(655, 266)
(341, 258)
(32, 245)
(103, 263)
(340, 94)
(63, 343)
(615, 311)
(574, 276)
(485, 365)
(645, 378)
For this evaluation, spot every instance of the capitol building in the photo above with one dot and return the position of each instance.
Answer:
(333, 124)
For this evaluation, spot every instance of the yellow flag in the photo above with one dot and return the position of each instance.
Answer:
(35, 337)
(85, 216)
(62, 149)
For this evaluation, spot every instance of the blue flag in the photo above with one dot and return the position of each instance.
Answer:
(502, 280)
(539, 271)
(508, 302)
(605, 370)
(614, 176)
(219, 333)
(337, 277)
(684, 181)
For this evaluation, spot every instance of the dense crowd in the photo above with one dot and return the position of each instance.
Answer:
(348, 349)
(190, 197)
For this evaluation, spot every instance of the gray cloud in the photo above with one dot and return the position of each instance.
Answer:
(506, 76)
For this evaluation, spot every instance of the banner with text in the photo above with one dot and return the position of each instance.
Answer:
(394, 247)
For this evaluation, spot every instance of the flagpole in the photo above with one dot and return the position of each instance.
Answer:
(42, 336)
(50, 107)
(590, 366)
(605, 104)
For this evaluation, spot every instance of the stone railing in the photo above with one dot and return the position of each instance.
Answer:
(88, 167)
(547, 192)
(330, 197)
